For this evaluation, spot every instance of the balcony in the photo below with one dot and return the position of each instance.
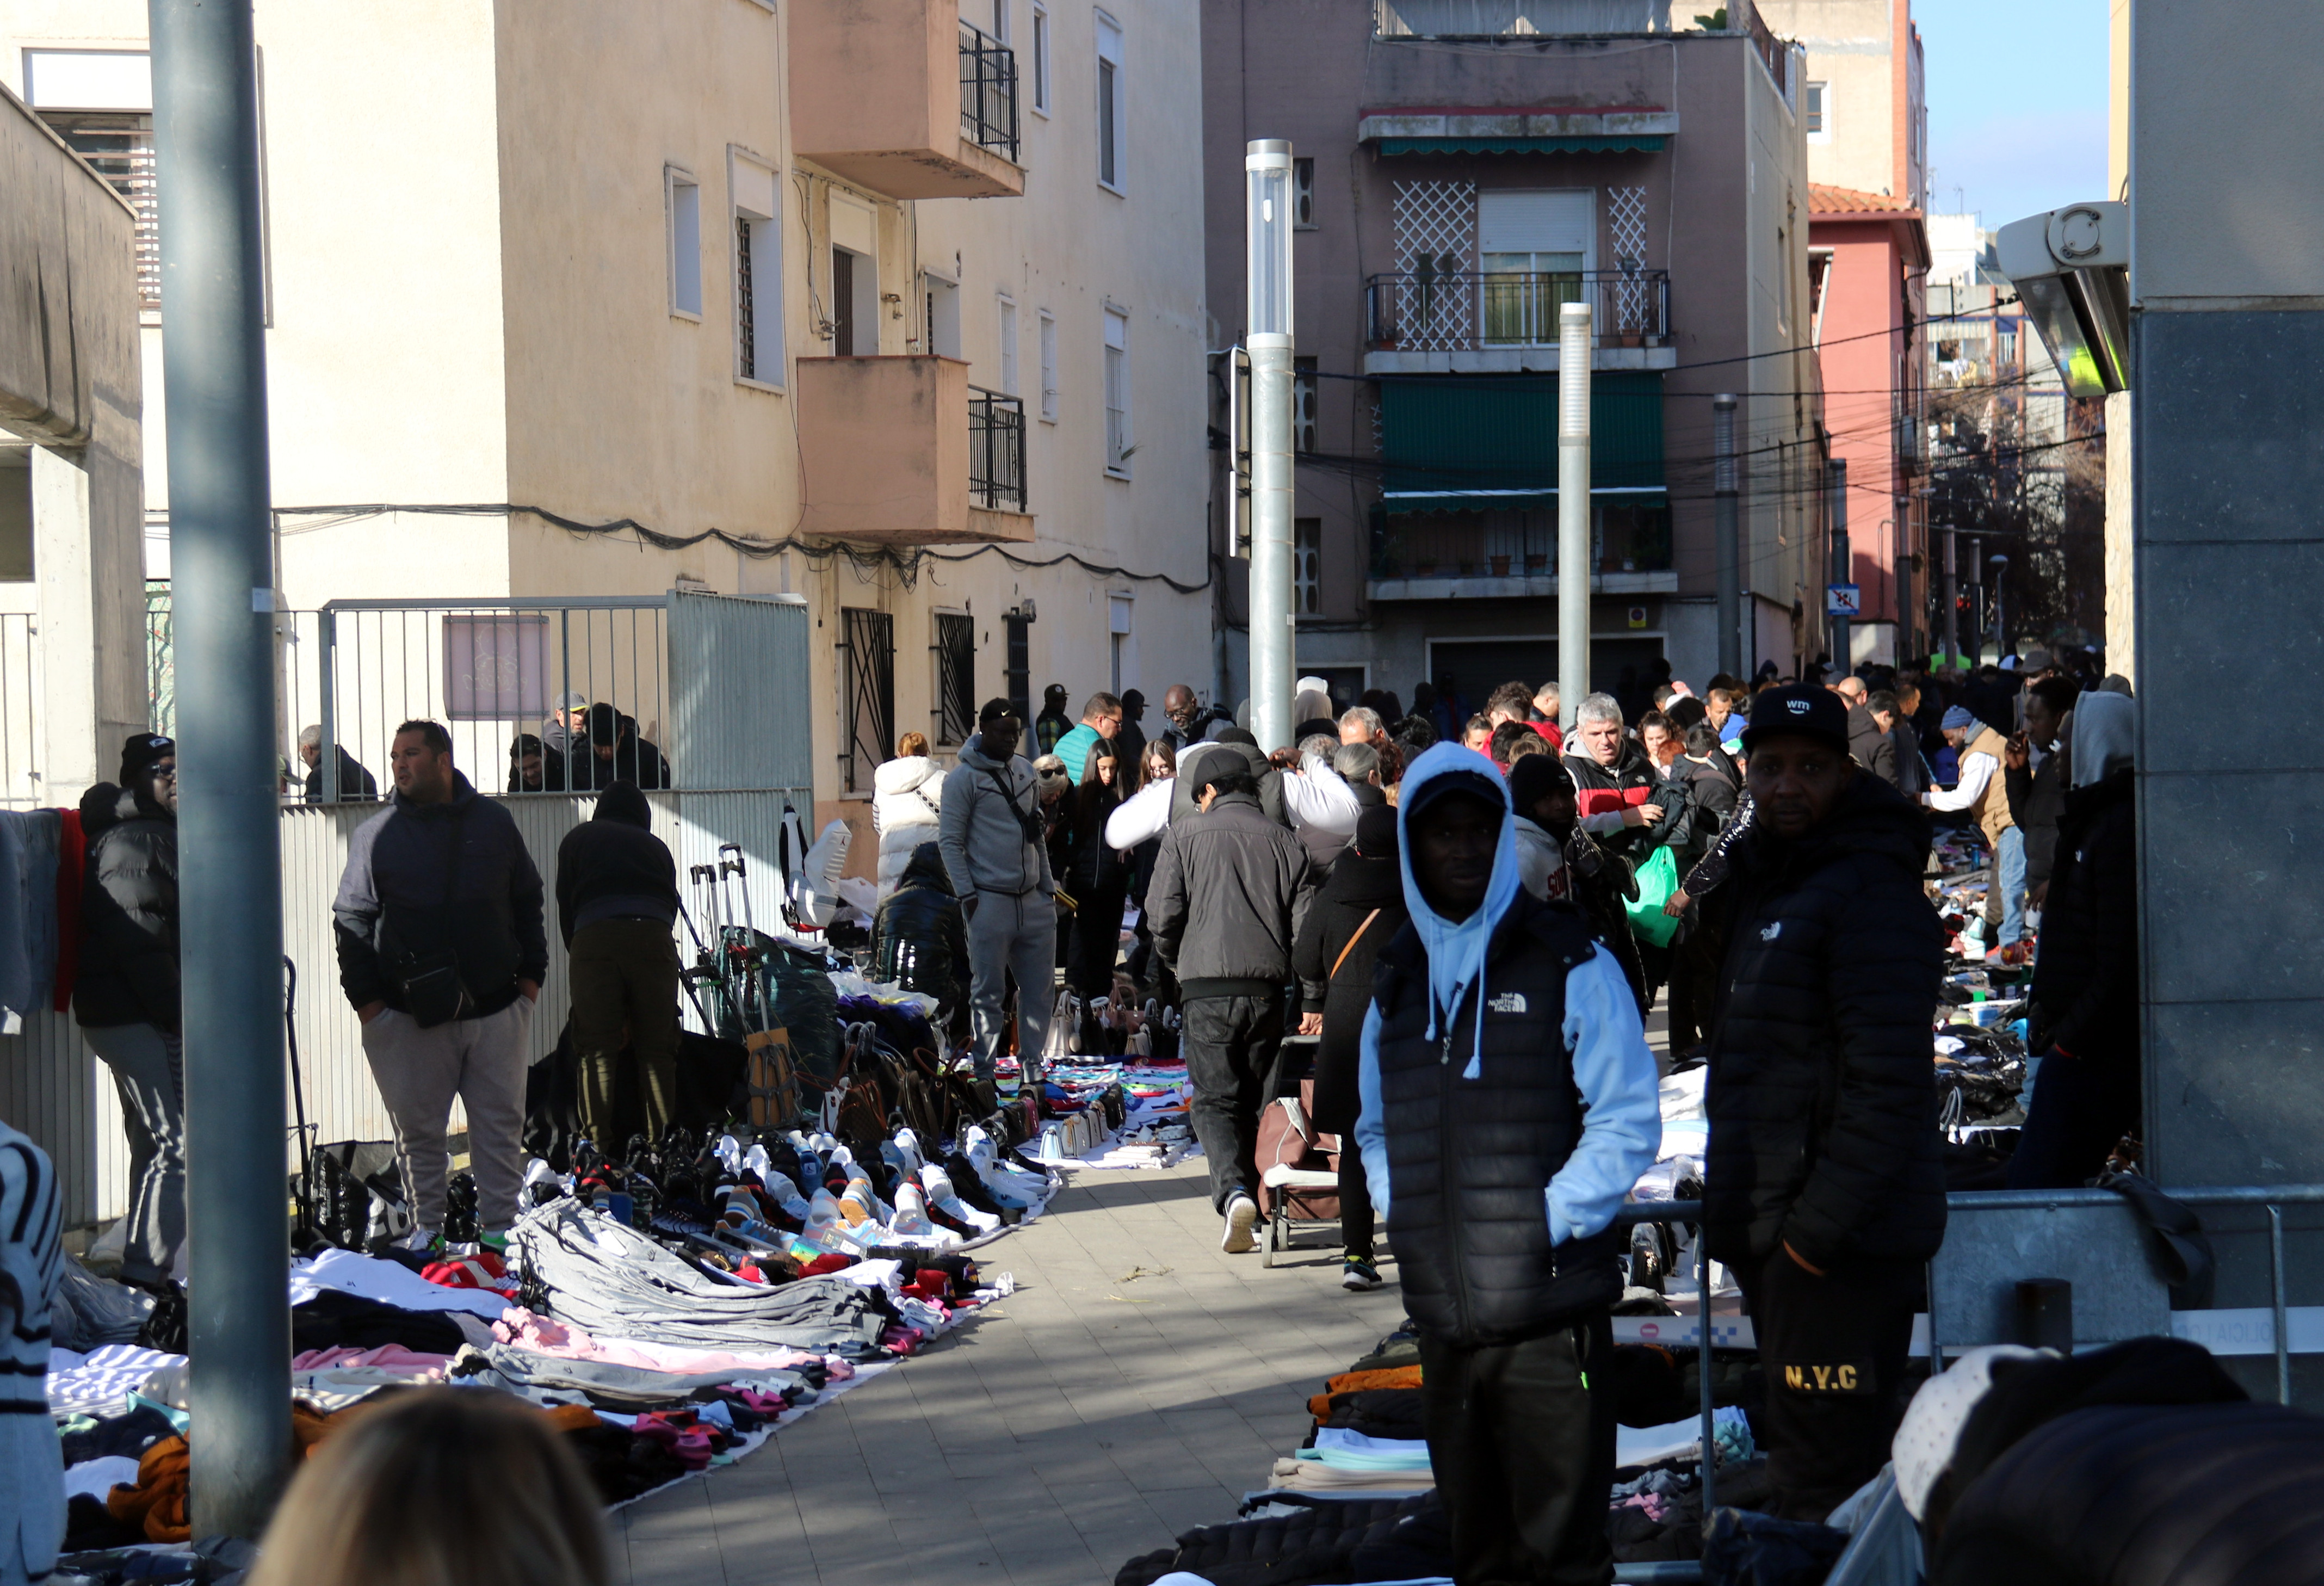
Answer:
(1511, 552)
(906, 98)
(1465, 322)
(1472, 19)
(904, 451)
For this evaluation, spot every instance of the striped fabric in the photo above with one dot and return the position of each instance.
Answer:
(31, 1474)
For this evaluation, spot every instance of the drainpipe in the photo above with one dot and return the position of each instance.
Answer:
(1266, 167)
(1573, 507)
(1840, 563)
(1727, 503)
(238, 1318)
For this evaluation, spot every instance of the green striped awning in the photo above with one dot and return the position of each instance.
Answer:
(1488, 440)
(1642, 142)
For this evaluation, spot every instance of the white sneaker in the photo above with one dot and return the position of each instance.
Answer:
(1242, 1212)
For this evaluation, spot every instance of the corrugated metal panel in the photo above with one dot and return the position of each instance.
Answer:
(740, 710)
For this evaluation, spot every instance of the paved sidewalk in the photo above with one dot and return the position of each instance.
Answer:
(1138, 1383)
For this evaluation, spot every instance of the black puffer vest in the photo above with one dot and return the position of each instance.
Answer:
(1469, 1159)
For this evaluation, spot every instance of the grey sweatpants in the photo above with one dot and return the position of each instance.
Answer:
(482, 1061)
(148, 1071)
(1011, 934)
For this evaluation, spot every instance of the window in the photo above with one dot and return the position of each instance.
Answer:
(496, 669)
(1819, 117)
(1001, 20)
(854, 306)
(15, 515)
(101, 103)
(867, 694)
(1306, 565)
(684, 205)
(1782, 279)
(1303, 404)
(1041, 59)
(1303, 193)
(1007, 348)
(1120, 645)
(941, 300)
(1532, 247)
(1018, 675)
(1113, 124)
(758, 272)
(1048, 368)
(1118, 443)
(955, 658)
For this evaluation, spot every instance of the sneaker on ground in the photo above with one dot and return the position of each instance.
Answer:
(494, 1239)
(1242, 1211)
(1359, 1276)
(422, 1242)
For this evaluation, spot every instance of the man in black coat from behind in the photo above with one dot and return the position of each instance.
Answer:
(1357, 913)
(617, 905)
(1824, 1188)
(919, 940)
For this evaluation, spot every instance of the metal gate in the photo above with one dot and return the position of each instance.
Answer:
(867, 694)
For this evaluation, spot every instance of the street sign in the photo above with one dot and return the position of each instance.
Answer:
(1843, 600)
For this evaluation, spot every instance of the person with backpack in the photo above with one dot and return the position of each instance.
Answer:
(995, 849)
(1358, 912)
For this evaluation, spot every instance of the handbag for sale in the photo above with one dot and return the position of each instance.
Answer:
(1658, 879)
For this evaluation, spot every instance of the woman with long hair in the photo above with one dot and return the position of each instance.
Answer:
(1100, 883)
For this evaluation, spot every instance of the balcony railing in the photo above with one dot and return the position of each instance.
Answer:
(1517, 543)
(1437, 311)
(996, 451)
(988, 91)
(1506, 18)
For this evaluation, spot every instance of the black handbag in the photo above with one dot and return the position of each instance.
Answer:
(430, 982)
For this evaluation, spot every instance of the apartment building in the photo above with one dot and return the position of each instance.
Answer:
(893, 307)
(1866, 109)
(1463, 169)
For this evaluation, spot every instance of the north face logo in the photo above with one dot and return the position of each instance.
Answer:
(1772, 932)
(1508, 1002)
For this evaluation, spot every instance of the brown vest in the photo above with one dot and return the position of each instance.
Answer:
(1992, 806)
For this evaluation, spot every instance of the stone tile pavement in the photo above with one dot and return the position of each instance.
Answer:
(1138, 1383)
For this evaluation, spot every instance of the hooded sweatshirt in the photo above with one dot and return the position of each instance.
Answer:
(990, 826)
(1613, 1068)
(612, 867)
(905, 795)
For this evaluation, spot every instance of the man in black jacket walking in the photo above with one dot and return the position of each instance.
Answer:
(617, 905)
(1229, 894)
(1507, 1107)
(442, 952)
(1825, 1192)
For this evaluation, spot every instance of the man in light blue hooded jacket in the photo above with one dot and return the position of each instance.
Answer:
(1508, 1105)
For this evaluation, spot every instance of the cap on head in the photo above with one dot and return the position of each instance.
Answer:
(141, 753)
(573, 702)
(1959, 720)
(1376, 832)
(1482, 785)
(994, 710)
(1534, 776)
(1804, 710)
(2035, 660)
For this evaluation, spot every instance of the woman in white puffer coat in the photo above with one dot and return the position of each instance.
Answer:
(906, 793)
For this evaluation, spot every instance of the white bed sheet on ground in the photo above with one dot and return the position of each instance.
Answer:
(367, 1278)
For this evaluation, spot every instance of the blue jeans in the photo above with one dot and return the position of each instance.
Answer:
(2009, 867)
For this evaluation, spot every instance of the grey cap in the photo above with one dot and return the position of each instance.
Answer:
(573, 702)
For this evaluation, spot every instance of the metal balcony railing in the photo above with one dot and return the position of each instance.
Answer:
(996, 451)
(988, 91)
(1514, 543)
(1520, 18)
(1467, 311)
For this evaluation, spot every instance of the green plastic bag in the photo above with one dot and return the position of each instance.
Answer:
(1657, 879)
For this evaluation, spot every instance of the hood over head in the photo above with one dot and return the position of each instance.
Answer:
(927, 869)
(903, 774)
(622, 801)
(1457, 948)
(2105, 737)
(1376, 832)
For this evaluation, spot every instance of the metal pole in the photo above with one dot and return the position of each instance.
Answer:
(1266, 166)
(1842, 562)
(1703, 1365)
(1952, 595)
(238, 1319)
(326, 760)
(1728, 507)
(2000, 620)
(1573, 507)
(2277, 1299)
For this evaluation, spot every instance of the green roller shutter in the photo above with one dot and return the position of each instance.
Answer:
(1492, 441)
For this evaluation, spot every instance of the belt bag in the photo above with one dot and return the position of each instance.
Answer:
(430, 982)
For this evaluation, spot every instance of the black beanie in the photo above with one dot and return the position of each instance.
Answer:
(622, 801)
(139, 754)
(1376, 832)
(1532, 776)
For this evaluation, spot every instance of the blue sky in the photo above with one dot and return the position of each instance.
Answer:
(2017, 104)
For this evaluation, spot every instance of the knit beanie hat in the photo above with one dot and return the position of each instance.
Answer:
(1533, 776)
(139, 754)
(1958, 719)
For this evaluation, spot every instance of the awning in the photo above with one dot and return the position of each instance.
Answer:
(1643, 142)
(1397, 502)
(1478, 441)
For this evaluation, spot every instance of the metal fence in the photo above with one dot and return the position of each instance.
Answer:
(23, 753)
(996, 451)
(988, 91)
(1438, 311)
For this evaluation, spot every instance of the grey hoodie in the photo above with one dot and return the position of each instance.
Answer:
(977, 827)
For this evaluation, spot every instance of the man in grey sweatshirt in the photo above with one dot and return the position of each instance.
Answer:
(988, 827)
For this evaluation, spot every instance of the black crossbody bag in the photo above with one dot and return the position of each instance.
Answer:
(430, 981)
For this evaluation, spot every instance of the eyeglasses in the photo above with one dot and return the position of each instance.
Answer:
(165, 773)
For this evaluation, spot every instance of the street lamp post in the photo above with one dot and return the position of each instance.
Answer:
(2000, 626)
(1266, 172)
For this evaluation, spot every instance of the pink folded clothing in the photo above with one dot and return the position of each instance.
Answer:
(386, 1357)
(543, 1336)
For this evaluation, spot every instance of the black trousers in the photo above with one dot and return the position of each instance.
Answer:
(2080, 1108)
(1833, 1349)
(1523, 1448)
(1231, 1045)
(1356, 1215)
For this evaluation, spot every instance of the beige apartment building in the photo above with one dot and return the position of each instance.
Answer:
(893, 306)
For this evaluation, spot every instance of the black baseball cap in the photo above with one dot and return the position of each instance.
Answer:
(1804, 710)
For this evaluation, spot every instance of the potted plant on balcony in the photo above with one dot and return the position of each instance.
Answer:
(1501, 567)
(1424, 567)
(1536, 564)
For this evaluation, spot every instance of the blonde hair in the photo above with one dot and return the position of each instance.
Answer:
(439, 1487)
(911, 744)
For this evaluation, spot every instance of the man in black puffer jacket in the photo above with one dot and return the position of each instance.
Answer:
(126, 995)
(1825, 1192)
(617, 905)
(919, 940)
(1507, 1107)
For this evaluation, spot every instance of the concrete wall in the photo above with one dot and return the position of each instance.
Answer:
(1868, 54)
(70, 385)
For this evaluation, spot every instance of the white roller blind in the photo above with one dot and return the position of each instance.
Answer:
(1561, 221)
